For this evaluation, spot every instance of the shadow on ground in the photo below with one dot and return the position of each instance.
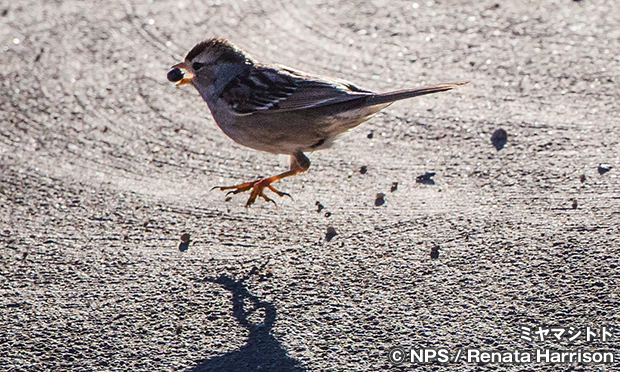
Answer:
(262, 351)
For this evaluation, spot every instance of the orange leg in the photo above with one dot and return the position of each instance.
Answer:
(299, 163)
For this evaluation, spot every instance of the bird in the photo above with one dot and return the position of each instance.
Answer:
(277, 109)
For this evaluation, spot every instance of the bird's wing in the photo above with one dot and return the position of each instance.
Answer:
(278, 89)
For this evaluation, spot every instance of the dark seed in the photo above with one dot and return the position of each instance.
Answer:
(38, 57)
(363, 169)
(582, 178)
(175, 75)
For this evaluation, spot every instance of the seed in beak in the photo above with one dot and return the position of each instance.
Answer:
(175, 75)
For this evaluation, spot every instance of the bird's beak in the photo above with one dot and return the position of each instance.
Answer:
(187, 76)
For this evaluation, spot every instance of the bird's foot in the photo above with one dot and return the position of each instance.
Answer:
(257, 188)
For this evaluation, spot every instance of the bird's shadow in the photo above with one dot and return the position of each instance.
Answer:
(262, 351)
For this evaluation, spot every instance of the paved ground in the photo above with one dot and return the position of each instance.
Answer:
(104, 164)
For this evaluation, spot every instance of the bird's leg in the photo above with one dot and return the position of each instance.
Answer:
(299, 163)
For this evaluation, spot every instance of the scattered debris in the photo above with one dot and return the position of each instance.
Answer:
(435, 252)
(499, 138)
(38, 57)
(363, 169)
(330, 234)
(380, 200)
(575, 205)
(602, 169)
(184, 242)
(394, 186)
(319, 207)
(370, 135)
(582, 178)
(426, 178)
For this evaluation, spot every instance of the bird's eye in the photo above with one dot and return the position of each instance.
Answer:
(197, 66)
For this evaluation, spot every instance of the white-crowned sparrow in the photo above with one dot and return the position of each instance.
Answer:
(276, 109)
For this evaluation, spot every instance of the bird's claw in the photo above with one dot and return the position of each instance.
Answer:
(257, 187)
(280, 193)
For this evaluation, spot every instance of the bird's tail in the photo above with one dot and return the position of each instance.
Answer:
(378, 99)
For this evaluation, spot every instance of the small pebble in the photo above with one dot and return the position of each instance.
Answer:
(319, 207)
(499, 138)
(185, 238)
(370, 135)
(175, 75)
(330, 234)
(363, 169)
(575, 205)
(435, 252)
(394, 186)
(602, 169)
(582, 178)
(184, 242)
(380, 200)
(328, 214)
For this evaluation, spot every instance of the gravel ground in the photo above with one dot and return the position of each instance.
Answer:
(104, 165)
